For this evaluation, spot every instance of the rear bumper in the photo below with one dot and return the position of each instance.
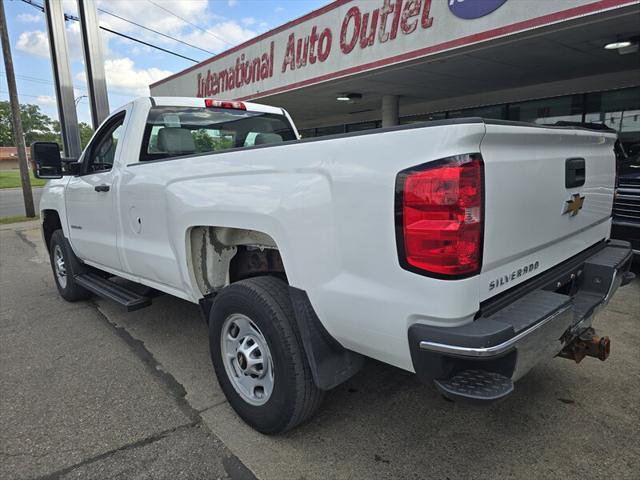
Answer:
(528, 326)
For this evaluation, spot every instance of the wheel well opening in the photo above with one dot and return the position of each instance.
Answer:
(50, 223)
(252, 261)
(222, 255)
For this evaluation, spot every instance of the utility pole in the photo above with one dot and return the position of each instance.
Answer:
(18, 134)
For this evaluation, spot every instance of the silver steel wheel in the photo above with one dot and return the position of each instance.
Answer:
(247, 359)
(60, 268)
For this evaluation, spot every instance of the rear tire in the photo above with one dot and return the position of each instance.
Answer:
(65, 266)
(258, 355)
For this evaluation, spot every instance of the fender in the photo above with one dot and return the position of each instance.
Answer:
(53, 199)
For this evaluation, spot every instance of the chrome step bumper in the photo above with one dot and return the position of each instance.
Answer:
(535, 326)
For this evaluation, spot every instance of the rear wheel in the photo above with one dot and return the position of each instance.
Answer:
(258, 355)
(65, 266)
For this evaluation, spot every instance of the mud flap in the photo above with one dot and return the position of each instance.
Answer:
(331, 363)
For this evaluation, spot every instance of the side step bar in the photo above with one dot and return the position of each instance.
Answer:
(112, 291)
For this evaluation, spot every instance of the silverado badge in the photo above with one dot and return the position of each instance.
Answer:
(573, 205)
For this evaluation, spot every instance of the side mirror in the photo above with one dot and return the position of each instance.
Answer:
(47, 161)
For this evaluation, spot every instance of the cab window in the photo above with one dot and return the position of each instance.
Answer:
(102, 150)
(177, 131)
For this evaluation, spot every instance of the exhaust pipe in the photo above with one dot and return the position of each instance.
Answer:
(588, 344)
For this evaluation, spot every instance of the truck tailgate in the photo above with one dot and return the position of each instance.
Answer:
(533, 219)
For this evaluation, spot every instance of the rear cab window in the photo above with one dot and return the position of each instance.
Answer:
(172, 132)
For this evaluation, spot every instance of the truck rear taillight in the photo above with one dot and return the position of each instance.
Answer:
(439, 217)
(211, 103)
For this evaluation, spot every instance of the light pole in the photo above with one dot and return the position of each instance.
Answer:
(62, 78)
(93, 61)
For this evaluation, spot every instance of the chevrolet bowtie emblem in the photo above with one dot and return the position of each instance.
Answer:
(574, 205)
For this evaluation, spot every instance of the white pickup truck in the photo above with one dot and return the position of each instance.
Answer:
(464, 250)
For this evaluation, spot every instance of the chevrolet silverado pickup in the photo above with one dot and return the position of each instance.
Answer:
(466, 251)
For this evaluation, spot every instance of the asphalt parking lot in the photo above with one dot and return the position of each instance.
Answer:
(89, 391)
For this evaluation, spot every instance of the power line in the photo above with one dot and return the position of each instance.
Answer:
(147, 44)
(34, 80)
(190, 23)
(44, 81)
(128, 37)
(23, 94)
(35, 96)
(155, 31)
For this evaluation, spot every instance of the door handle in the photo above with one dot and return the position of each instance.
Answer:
(101, 188)
(574, 172)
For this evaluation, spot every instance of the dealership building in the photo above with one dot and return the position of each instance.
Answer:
(361, 64)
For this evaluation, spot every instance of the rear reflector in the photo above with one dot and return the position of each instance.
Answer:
(439, 217)
(211, 103)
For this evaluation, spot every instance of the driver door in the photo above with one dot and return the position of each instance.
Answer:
(91, 196)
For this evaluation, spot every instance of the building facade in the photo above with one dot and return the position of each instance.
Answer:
(359, 64)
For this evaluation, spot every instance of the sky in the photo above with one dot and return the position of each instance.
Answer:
(212, 25)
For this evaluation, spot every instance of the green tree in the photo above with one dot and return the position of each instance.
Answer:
(37, 125)
(5, 125)
(85, 133)
(204, 142)
(208, 143)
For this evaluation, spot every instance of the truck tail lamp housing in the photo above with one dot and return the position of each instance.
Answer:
(439, 217)
(231, 105)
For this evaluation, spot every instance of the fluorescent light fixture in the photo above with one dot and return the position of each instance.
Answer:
(617, 45)
(349, 97)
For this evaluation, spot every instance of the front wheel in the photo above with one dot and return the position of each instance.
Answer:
(258, 355)
(65, 266)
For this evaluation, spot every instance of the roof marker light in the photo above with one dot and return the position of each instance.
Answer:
(211, 103)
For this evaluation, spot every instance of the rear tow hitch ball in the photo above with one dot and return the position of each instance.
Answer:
(600, 347)
(588, 344)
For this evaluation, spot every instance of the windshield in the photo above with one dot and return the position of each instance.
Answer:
(177, 131)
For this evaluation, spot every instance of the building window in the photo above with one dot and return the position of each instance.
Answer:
(426, 117)
(358, 127)
(617, 109)
(548, 111)
(498, 112)
(334, 129)
(307, 133)
(620, 110)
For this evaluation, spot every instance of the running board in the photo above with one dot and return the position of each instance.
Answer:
(475, 386)
(112, 291)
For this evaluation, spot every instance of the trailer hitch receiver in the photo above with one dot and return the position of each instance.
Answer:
(587, 344)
